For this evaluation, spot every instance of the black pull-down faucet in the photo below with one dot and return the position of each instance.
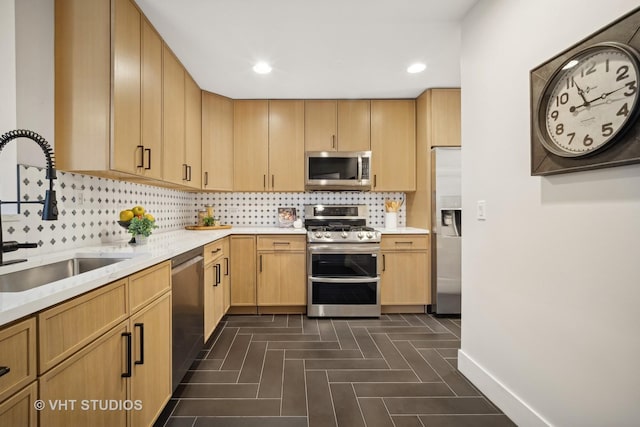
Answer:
(50, 208)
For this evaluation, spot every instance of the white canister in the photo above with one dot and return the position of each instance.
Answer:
(391, 220)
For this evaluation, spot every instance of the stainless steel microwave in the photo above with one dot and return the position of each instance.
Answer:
(331, 170)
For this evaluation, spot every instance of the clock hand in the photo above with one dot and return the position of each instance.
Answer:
(581, 93)
(605, 94)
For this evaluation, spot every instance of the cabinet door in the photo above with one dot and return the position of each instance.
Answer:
(250, 145)
(213, 297)
(126, 87)
(17, 353)
(217, 142)
(281, 278)
(94, 373)
(18, 410)
(445, 118)
(243, 270)
(320, 130)
(354, 125)
(226, 276)
(405, 278)
(393, 145)
(193, 132)
(173, 165)
(151, 122)
(151, 378)
(286, 145)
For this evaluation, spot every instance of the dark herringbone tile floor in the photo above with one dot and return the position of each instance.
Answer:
(292, 371)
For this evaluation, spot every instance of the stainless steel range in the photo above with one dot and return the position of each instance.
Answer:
(342, 262)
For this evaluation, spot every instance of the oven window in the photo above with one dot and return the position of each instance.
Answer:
(344, 293)
(344, 265)
(333, 168)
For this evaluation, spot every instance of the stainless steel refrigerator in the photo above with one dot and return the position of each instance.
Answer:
(446, 229)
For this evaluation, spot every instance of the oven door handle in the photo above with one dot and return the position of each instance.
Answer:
(344, 248)
(344, 279)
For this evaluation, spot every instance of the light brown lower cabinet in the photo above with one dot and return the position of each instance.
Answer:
(281, 271)
(405, 270)
(18, 410)
(243, 271)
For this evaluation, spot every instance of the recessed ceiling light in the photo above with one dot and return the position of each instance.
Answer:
(262, 68)
(416, 68)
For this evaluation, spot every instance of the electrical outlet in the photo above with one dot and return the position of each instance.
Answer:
(481, 210)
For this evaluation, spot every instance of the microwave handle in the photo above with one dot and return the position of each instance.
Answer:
(359, 168)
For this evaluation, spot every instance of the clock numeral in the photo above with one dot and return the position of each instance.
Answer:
(562, 99)
(592, 68)
(623, 111)
(587, 140)
(622, 73)
(571, 135)
(559, 129)
(632, 88)
(554, 114)
(570, 83)
(607, 129)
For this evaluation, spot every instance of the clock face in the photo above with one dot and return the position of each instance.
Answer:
(590, 100)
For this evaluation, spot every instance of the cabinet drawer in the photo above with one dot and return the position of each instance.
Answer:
(18, 410)
(404, 242)
(282, 243)
(148, 284)
(214, 250)
(18, 354)
(68, 327)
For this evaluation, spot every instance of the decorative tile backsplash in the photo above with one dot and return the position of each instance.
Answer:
(89, 208)
(260, 209)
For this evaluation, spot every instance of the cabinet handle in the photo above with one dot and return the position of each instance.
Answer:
(216, 251)
(333, 141)
(148, 151)
(141, 360)
(128, 373)
(264, 182)
(206, 178)
(189, 169)
(226, 261)
(273, 184)
(384, 263)
(405, 243)
(4, 370)
(215, 280)
(375, 181)
(281, 243)
(184, 172)
(218, 274)
(141, 148)
(260, 263)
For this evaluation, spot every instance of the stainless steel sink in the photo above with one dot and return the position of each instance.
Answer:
(30, 278)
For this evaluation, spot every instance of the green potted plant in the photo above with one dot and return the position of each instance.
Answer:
(141, 228)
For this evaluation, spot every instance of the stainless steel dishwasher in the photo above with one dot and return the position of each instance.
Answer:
(187, 286)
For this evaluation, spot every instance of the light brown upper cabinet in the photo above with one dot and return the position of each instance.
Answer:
(182, 123)
(107, 66)
(437, 125)
(217, 142)
(393, 145)
(268, 145)
(342, 125)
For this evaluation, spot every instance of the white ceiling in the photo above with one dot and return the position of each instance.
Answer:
(317, 48)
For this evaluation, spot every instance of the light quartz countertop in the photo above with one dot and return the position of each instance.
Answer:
(161, 247)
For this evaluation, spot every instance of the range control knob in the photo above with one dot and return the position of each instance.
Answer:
(327, 234)
(369, 235)
(344, 234)
(318, 234)
(360, 235)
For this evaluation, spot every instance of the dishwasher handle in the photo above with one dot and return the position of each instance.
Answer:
(177, 269)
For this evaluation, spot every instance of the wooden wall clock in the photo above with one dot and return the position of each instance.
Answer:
(585, 102)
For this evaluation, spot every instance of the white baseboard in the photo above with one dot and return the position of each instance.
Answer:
(508, 402)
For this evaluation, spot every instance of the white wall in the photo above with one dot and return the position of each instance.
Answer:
(551, 281)
(7, 101)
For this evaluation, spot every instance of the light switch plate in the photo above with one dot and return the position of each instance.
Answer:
(481, 210)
